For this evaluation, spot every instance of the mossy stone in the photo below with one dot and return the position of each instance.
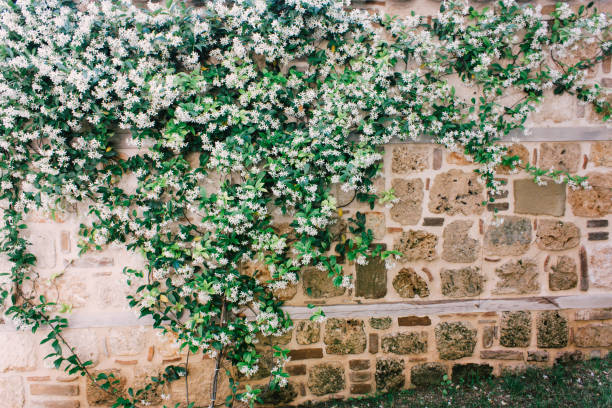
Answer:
(427, 375)
(455, 340)
(389, 374)
(380, 323)
(552, 330)
(326, 378)
(515, 329)
(405, 343)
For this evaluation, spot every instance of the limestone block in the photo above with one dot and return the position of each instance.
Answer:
(125, 341)
(407, 211)
(601, 153)
(307, 332)
(518, 277)
(531, 198)
(515, 329)
(317, 284)
(560, 156)
(18, 352)
(595, 202)
(13, 395)
(600, 265)
(410, 158)
(593, 335)
(458, 246)
(344, 336)
(371, 279)
(563, 275)
(408, 284)
(455, 340)
(456, 192)
(416, 245)
(556, 235)
(464, 282)
(510, 236)
(326, 378)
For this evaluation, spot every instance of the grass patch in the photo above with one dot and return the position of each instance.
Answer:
(583, 384)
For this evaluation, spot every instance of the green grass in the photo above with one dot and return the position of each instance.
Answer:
(586, 384)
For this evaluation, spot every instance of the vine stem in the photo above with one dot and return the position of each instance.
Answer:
(215, 382)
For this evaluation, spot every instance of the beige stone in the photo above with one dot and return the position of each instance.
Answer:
(12, 391)
(98, 396)
(517, 278)
(307, 332)
(455, 340)
(600, 265)
(519, 150)
(511, 235)
(409, 285)
(458, 246)
(601, 153)
(405, 343)
(560, 156)
(456, 192)
(563, 274)
(125, 341)
(326, 378)
(464, 282)
(409, 208)
(18, 352)
(317, 284)
(344, 336)
(593, 335)
(375, 221)
(410, 158)
(416, 245)
(595, 202)
(557, 235)
(531, 198)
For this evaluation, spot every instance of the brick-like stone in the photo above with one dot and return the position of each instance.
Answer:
(317, 284)
(590, 314)
(433, 222)
(531, 198)
(15, 397)
(456, 192)
(515, 329)
(407, 211)
(373, 343)
(598, 236)
(584, 270)
(361, 388)
(409, 285)
(294, 370)
(380, 323)
(458, 246)
(414, 321)
(488, 336)
(537, 355)
(437, 158)
(560, 156)
(326, 378)
(601, 153)
(600, 265)
(597, 223)
(54, 389)
(307, 332)
(405, 343)
(563, 274)
(359, 376)
(371, 279)
(92, 261)
(556, 235)
(511, 235)
(55, 404)
(306, 354)
(389, 374)
(464, 282)
(344, 336)
(501, 355)
(517, 278)
(595, 202)
(359, 364)
(593, 335)
(427, 374)
(552, 330)
(416, 245)
(21, 357)
(496, 207)
(65, 242)
(455, 340)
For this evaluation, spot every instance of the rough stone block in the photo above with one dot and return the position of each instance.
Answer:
(405, 343)
(488, 336)
(464, 282)
(416, 245)
(427, 374)
(407, 211)
(560, 156)
(455, 340)
(458, 246)
(317, 284)
(601, 153)
(456, 192)
(595, 202)
(380, 323)
(307, 332)
(125, 341)
(360, 364)
(567, 357)
(15, 398)
(371, 279)
(537, 355)
(344, 336)
(563, 274)
(593, 335)
(517, 278)
(552, 331)
(600, 265)
(21, 357)
(471, 372)
(531, 198)
(555, 235)
(389, 374)
(326, 378)
(519, 150)
(409, 285)
(410, 158)
(281, 340)
(511, 235)
(43, 247)
(515, 329)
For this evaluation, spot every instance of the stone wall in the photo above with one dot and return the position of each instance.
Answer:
(471, 294)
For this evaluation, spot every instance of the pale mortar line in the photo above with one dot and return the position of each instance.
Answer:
(80, 320)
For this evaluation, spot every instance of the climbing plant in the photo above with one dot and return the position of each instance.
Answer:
(249, 112)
